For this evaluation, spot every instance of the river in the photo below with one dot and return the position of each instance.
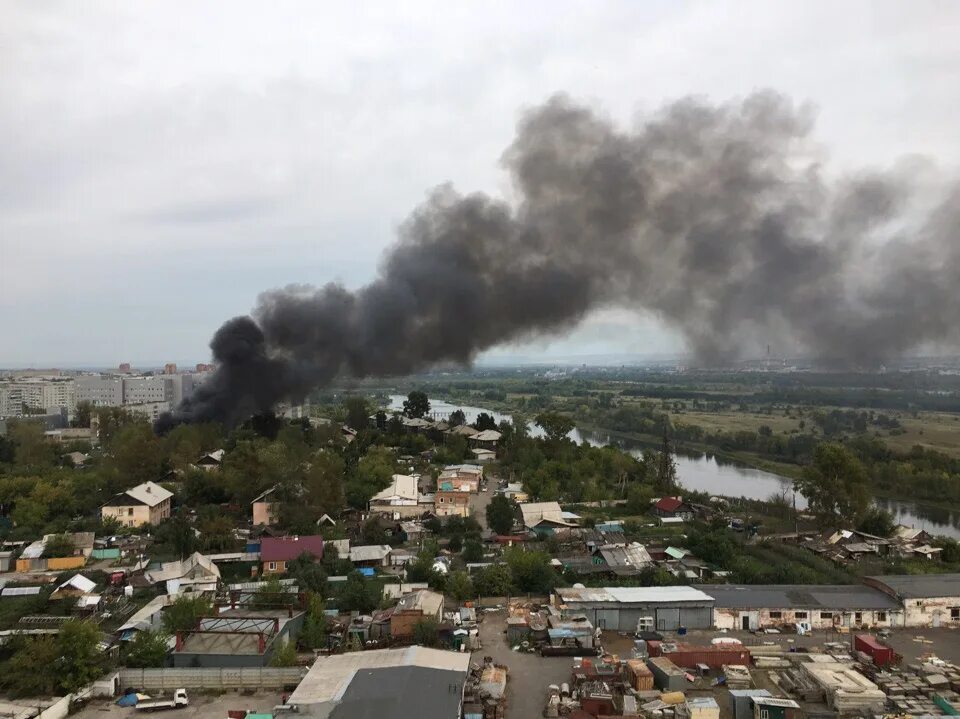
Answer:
(705, 472)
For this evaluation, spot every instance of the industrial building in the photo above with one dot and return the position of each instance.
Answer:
(628, 609)
(237, 638)
(818, 606)
(385, 683)
(928, 600)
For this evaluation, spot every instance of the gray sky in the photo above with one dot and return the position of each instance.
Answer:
(164, 162)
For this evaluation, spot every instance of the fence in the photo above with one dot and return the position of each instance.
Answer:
(211, 678)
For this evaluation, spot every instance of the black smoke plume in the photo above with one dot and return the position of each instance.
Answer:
(720, 220)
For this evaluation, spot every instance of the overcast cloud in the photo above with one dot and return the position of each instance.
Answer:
(162, 163)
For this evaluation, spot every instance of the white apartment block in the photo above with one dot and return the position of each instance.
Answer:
(110, 391)
(100, 391)
(37, 394)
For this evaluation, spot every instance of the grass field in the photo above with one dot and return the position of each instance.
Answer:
(931, 430)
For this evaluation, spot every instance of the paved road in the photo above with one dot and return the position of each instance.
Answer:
(479, 502)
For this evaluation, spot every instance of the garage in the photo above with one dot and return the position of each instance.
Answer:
(627, 609)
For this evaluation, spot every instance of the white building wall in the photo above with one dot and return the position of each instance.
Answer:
(100, 391)
(733, 619)
(933, 612)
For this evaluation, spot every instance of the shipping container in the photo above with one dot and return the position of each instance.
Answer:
(638, 675)
(703, 708)
(881, 654)
(667, 675)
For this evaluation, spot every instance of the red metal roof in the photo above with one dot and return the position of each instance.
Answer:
(669, 504)
(283, 549)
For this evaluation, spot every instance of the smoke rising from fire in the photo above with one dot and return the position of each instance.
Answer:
(718, 219)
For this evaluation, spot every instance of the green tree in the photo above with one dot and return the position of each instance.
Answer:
(373, 473)
(472, 551)
(285, 655)
(29, 670)
(309, 573)
(531, 571)
(185, 612)
(500, 515)
(358, 594)
(147, 650)
(460, 586)
(80, 660)
(485, 421)
(416, 404)
(136, 456)
(82, 415)
(315, 626)
(323, 483)
(878, 522)
(457, 418)
(426, 632)
(357, 411)
(494, 581)
(32, 450)
(555, 425)
(835, 485)
(178, 533)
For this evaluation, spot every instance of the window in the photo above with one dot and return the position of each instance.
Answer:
(776, 615)
(858, 617)
(954, 613)
(764, 714)
(799, 615)
(129, 511)
(881, 616)
(826, 615)
(271, 566)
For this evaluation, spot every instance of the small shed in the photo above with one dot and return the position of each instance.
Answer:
(775, 708)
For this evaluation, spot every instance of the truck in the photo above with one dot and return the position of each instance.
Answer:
(178, 701)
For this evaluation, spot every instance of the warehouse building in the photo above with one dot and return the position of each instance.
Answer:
(928, 600)
(237, 638)
(817, 606)
(630, 609)
(385, 683)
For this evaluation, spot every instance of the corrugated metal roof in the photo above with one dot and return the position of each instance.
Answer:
(330, 676)
(921, 586)
(402, 486)
(19, 591)
(634, 595)
(799, 596)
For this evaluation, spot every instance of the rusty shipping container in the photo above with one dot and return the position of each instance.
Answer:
(638, 675)
(881, 654)
(689, 655)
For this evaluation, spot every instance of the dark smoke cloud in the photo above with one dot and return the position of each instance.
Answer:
(718, 219)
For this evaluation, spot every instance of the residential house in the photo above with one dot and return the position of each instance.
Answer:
(413, 608)
(266, 511)
(210, 461)
(370, 555)
(487, 439)
(673, 508)
(464, 430)
(911, 535)
(515, 491)
(400, 500)
(625, 561)
(147, 503)
(196, 572)
(80, 589)
(545, 518)
(275, 552)
(450, 503)
(460, 478)
(484, 455)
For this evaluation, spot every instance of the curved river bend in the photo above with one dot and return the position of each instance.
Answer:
(704, 472)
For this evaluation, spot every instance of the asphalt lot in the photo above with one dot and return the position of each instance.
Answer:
(480, 500)
(202, 706)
